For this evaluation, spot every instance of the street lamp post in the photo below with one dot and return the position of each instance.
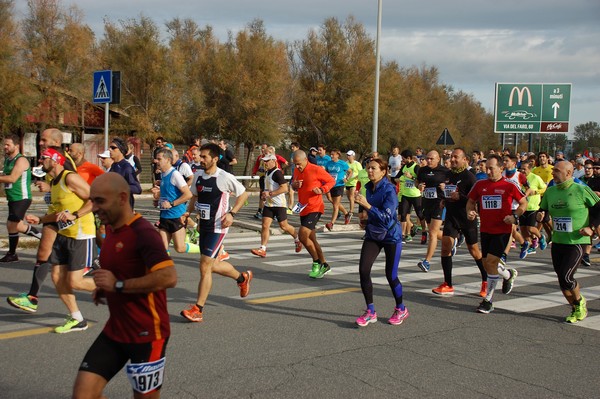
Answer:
(377, 67)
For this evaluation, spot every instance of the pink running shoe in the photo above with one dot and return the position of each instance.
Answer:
(398, 316)
(366, 318)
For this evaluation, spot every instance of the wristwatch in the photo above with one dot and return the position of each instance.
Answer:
(516, 217)
(232, 213)
(119, 285)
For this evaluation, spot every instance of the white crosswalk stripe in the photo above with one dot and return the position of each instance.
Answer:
(342, 253)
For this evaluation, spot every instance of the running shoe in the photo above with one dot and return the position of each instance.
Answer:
(413, 230)
(424, 265)
(531, 251)
(315, 270)
(297, 246)
(348, 218)
(424, 238)
(543, 242)
(408, 238)
(524, 249)
(597, 246)
(289, 211)
(579, 312)
(329, 226)
(444, 290)
(71, 325)
(454, 247)
(508, 284)
(366, 318)
(585, 260)
(483, 290)
(398, 316)
(24, 302)
(9, 258)
(513, 244)
(535, 243)
(485, 307)
(259, 252)
(223, 255)
(192, 313)
(323, 270)
(245, 285)
(503, 260)
(461, 239)
(258, 215)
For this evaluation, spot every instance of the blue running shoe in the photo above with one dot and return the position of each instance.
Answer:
(524, 249)
(543, 242)
(424, 265)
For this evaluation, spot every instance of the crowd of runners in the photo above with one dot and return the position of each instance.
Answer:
(491, 202)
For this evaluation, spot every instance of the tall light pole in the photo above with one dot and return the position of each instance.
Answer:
(377, 67)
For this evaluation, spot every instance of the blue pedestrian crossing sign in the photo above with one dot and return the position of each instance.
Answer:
(102, 87)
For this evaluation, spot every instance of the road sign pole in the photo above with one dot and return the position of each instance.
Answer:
(106, 114)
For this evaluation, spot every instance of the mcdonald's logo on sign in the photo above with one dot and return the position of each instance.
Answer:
(520, 93)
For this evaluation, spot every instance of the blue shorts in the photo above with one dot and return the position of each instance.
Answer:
(210, 243)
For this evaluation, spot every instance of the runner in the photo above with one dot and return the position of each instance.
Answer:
(211, 190)
(311, 182)
(535, 188)
(17, 186)
(568, 205)
(456, 189)
(382, 231)
(171, 197)
(74, 247)
(395, 162)
(339, 170)
(355, 167)
(135, 274)
(429, 179)
(275, 206)
(494, 197)
(410, 196)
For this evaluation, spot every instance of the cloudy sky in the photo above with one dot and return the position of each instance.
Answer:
(473, 43)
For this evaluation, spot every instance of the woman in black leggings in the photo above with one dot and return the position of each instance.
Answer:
(378, 217)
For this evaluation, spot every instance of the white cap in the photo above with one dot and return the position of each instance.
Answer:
(351, 153)
(269, 157)
(105, 154)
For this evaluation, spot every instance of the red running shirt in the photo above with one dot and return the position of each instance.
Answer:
(494, 200)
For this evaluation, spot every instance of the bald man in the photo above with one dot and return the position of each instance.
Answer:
(569, 205)
(134, 275)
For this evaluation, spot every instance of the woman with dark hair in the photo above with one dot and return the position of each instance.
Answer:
(378, 218)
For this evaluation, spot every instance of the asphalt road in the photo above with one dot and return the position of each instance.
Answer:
(294, 337)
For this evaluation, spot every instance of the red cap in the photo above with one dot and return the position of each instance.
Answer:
(54, 155)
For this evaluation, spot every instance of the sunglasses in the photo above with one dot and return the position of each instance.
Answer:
(590, 168)
(113, 147)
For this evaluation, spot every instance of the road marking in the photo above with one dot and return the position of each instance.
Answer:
(30, 332)
(292, 297)
(544, 301)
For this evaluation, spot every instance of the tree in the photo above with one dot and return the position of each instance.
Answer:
(587, 137)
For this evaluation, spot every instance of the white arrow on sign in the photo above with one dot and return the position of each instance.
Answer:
(555, 107)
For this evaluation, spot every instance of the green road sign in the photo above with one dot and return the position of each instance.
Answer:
(532, 108)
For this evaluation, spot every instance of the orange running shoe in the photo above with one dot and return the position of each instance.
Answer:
(298, 245)
(245, 285)
(192, 314)
(223, 255)
(444, 290)
(483, 291)
(259, 252)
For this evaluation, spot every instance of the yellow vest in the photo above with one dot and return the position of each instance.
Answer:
(64, 199)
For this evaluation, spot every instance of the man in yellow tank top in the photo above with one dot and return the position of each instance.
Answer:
(74, 247)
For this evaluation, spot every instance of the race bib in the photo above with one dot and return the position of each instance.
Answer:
(65, 225)
(430, 193)
(203, 210)
(298, 207)
(563, 224)
(449, 189)
(409, 183)
(491, 202)
(146, 377)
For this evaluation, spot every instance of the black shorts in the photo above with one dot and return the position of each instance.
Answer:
(75, 254)
(18, 209)
(565, 259)
(406, 203)
(106, 356)
(594, 217)
(455, 224)
(432, 209)
(337, 191)
(348, 188)
(494, 244)
(276, 212)
(527, 219)
(170, 225)
(310, 220)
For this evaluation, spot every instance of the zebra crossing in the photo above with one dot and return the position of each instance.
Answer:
(342, 251)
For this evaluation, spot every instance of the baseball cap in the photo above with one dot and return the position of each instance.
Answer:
(54, 155)
(269, 157)
(105, 154)
(351, 153)
(312, 149)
